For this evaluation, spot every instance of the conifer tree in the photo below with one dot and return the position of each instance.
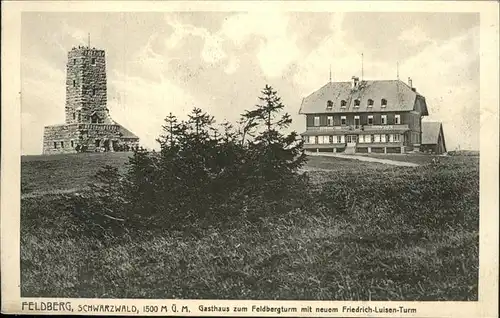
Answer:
(275, 154)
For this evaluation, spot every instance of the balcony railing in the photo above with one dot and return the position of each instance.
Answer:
(358, 128)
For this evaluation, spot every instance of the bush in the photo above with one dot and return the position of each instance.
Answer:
(206, 174)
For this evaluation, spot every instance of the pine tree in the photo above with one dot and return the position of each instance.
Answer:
(275, 154)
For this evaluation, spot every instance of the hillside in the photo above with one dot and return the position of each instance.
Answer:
(371, 232)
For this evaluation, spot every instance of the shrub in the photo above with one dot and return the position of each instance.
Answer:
(206, 174)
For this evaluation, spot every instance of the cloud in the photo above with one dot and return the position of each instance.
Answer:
(232, 65)
(212, 51)
(144, 101)
(443, 73)
(277, 48)
(414, 36)
(222, 69)
(42, 103)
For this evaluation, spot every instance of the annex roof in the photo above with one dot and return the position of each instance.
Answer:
(399, 97)
(430, 132)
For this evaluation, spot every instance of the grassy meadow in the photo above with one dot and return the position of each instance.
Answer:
(372, 232)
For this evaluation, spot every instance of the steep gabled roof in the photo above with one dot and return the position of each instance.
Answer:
(431, 131)
(399, 97)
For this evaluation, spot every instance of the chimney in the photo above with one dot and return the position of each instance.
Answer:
(410, 83)
(355, 81)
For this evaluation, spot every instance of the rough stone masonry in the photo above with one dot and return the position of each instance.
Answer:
(88, 126)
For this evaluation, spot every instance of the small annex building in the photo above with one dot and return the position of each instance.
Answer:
(432, 138)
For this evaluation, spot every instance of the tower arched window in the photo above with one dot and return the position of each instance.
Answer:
(343, 103)
(356, 103)
(383, 102)
(370, 102)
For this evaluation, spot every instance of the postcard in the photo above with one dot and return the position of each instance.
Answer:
(250, 158)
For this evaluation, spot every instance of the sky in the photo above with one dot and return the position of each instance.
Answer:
(159, 63)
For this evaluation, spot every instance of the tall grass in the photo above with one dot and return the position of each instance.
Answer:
(372, 233)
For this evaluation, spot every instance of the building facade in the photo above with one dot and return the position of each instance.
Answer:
(88, 125)
(364, 117)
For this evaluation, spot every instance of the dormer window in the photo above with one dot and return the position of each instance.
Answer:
(356, 103)
(329, 105)
(370, 103)
(383, 102)
(343, 103)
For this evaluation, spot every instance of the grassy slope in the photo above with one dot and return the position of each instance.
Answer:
(371, 252)
(41, 174)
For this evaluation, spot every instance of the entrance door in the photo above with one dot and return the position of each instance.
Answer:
(106, 145)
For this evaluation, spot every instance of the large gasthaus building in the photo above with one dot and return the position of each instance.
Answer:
(383, 116)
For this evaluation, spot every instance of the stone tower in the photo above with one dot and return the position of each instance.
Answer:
(86, 94)
(88, 124)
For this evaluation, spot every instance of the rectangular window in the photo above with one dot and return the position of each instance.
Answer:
(390, 138)
(342, 139)
(397, 119)
(62, 144)
(74, 61)
(339, 139)
(55, 145)
(356, 121)
(330, 139)
(330, 120)
(382, 138)
(74, 83)
(343, 120)
(321, 139)
(384, 119)
(396, 137)
(74, 116)
(72, 144)
(93, 61)
(316, 121)
(315, 139)
(370, 119)
(377, 138)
